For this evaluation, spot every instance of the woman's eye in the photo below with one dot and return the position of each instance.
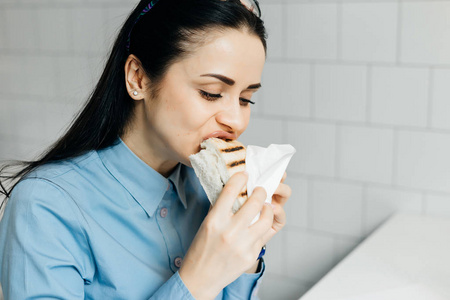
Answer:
(209, 96)
(245, 102)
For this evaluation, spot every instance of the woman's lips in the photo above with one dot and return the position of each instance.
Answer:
(221, 135)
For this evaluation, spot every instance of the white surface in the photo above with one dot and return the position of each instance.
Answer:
(407, 258)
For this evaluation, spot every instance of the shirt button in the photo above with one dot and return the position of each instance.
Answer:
(178, 261)
(163, 212)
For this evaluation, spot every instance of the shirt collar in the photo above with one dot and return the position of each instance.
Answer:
(146, 185)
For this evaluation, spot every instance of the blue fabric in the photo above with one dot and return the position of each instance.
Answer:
(104, 226)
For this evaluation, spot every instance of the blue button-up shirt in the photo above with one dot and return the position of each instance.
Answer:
(104, 225)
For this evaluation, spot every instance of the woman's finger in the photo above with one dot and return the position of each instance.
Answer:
(229, 193)
(279, 220)
(264, 222)
(251, 207)
(282, 194)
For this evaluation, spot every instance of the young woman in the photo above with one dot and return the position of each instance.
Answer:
(113, 209)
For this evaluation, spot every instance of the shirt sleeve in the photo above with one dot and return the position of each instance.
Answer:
(174, 288)
(43, 250)
(245, 286)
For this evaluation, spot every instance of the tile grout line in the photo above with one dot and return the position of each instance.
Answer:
(394, 179)
(369, 74)
(399, 31)
(430, 96)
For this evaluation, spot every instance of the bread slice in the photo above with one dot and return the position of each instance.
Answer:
(216, 163)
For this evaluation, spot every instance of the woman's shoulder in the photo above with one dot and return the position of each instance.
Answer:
(55, 175)
(56, 169)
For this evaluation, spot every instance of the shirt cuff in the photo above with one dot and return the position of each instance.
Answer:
(174, 288)
(245, 286)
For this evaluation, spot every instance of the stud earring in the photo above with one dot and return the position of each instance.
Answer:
(135, 93)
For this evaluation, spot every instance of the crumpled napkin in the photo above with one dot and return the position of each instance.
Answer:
(266, 166)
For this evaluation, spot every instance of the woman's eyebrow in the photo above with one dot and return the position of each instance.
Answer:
(231, 82)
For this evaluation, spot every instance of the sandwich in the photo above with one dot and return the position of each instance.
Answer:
(216, 163)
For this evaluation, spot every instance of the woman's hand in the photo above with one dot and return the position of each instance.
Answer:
(226, 245)
(279, 199)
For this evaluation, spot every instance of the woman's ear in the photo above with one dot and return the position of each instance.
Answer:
(134, 78)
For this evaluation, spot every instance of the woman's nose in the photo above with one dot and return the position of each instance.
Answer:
(232, 116)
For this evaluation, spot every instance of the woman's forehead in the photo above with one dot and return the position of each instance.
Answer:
(230, 54)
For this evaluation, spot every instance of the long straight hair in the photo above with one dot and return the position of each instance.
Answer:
(168, 32)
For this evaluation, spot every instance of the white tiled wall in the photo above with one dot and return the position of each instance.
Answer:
(359, 87)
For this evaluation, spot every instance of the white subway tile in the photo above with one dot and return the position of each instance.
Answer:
(281, 287)
(315, 144)
(366, 154)
(88, 30)
(312, 30)
(8, 126)
(29, 118)
(96, 66)
(257, 108)
(42, 76)
(263, 132)
(337, 208)
(340, 92)
(8, 150)
(8, 1)
(3, 29)
(438, 205)
(21, 29)
(286, 89)
(381, 203)
(115, 18)
(275, 253)
(30, 150)
(440, 117)
(53, 26)
(12, 75)
(74, 80)
(272, 14)
(425, 32)
(57, 119)
(297, 206)
(309, 256)
(7, 118)
(399, 96)
(369, 31)
(423, 160)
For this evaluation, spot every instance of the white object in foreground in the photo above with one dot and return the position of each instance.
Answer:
(408, 257)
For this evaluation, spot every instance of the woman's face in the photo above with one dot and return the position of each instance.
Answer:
(205, 95)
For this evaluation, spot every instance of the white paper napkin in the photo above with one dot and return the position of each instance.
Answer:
(266, 166)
